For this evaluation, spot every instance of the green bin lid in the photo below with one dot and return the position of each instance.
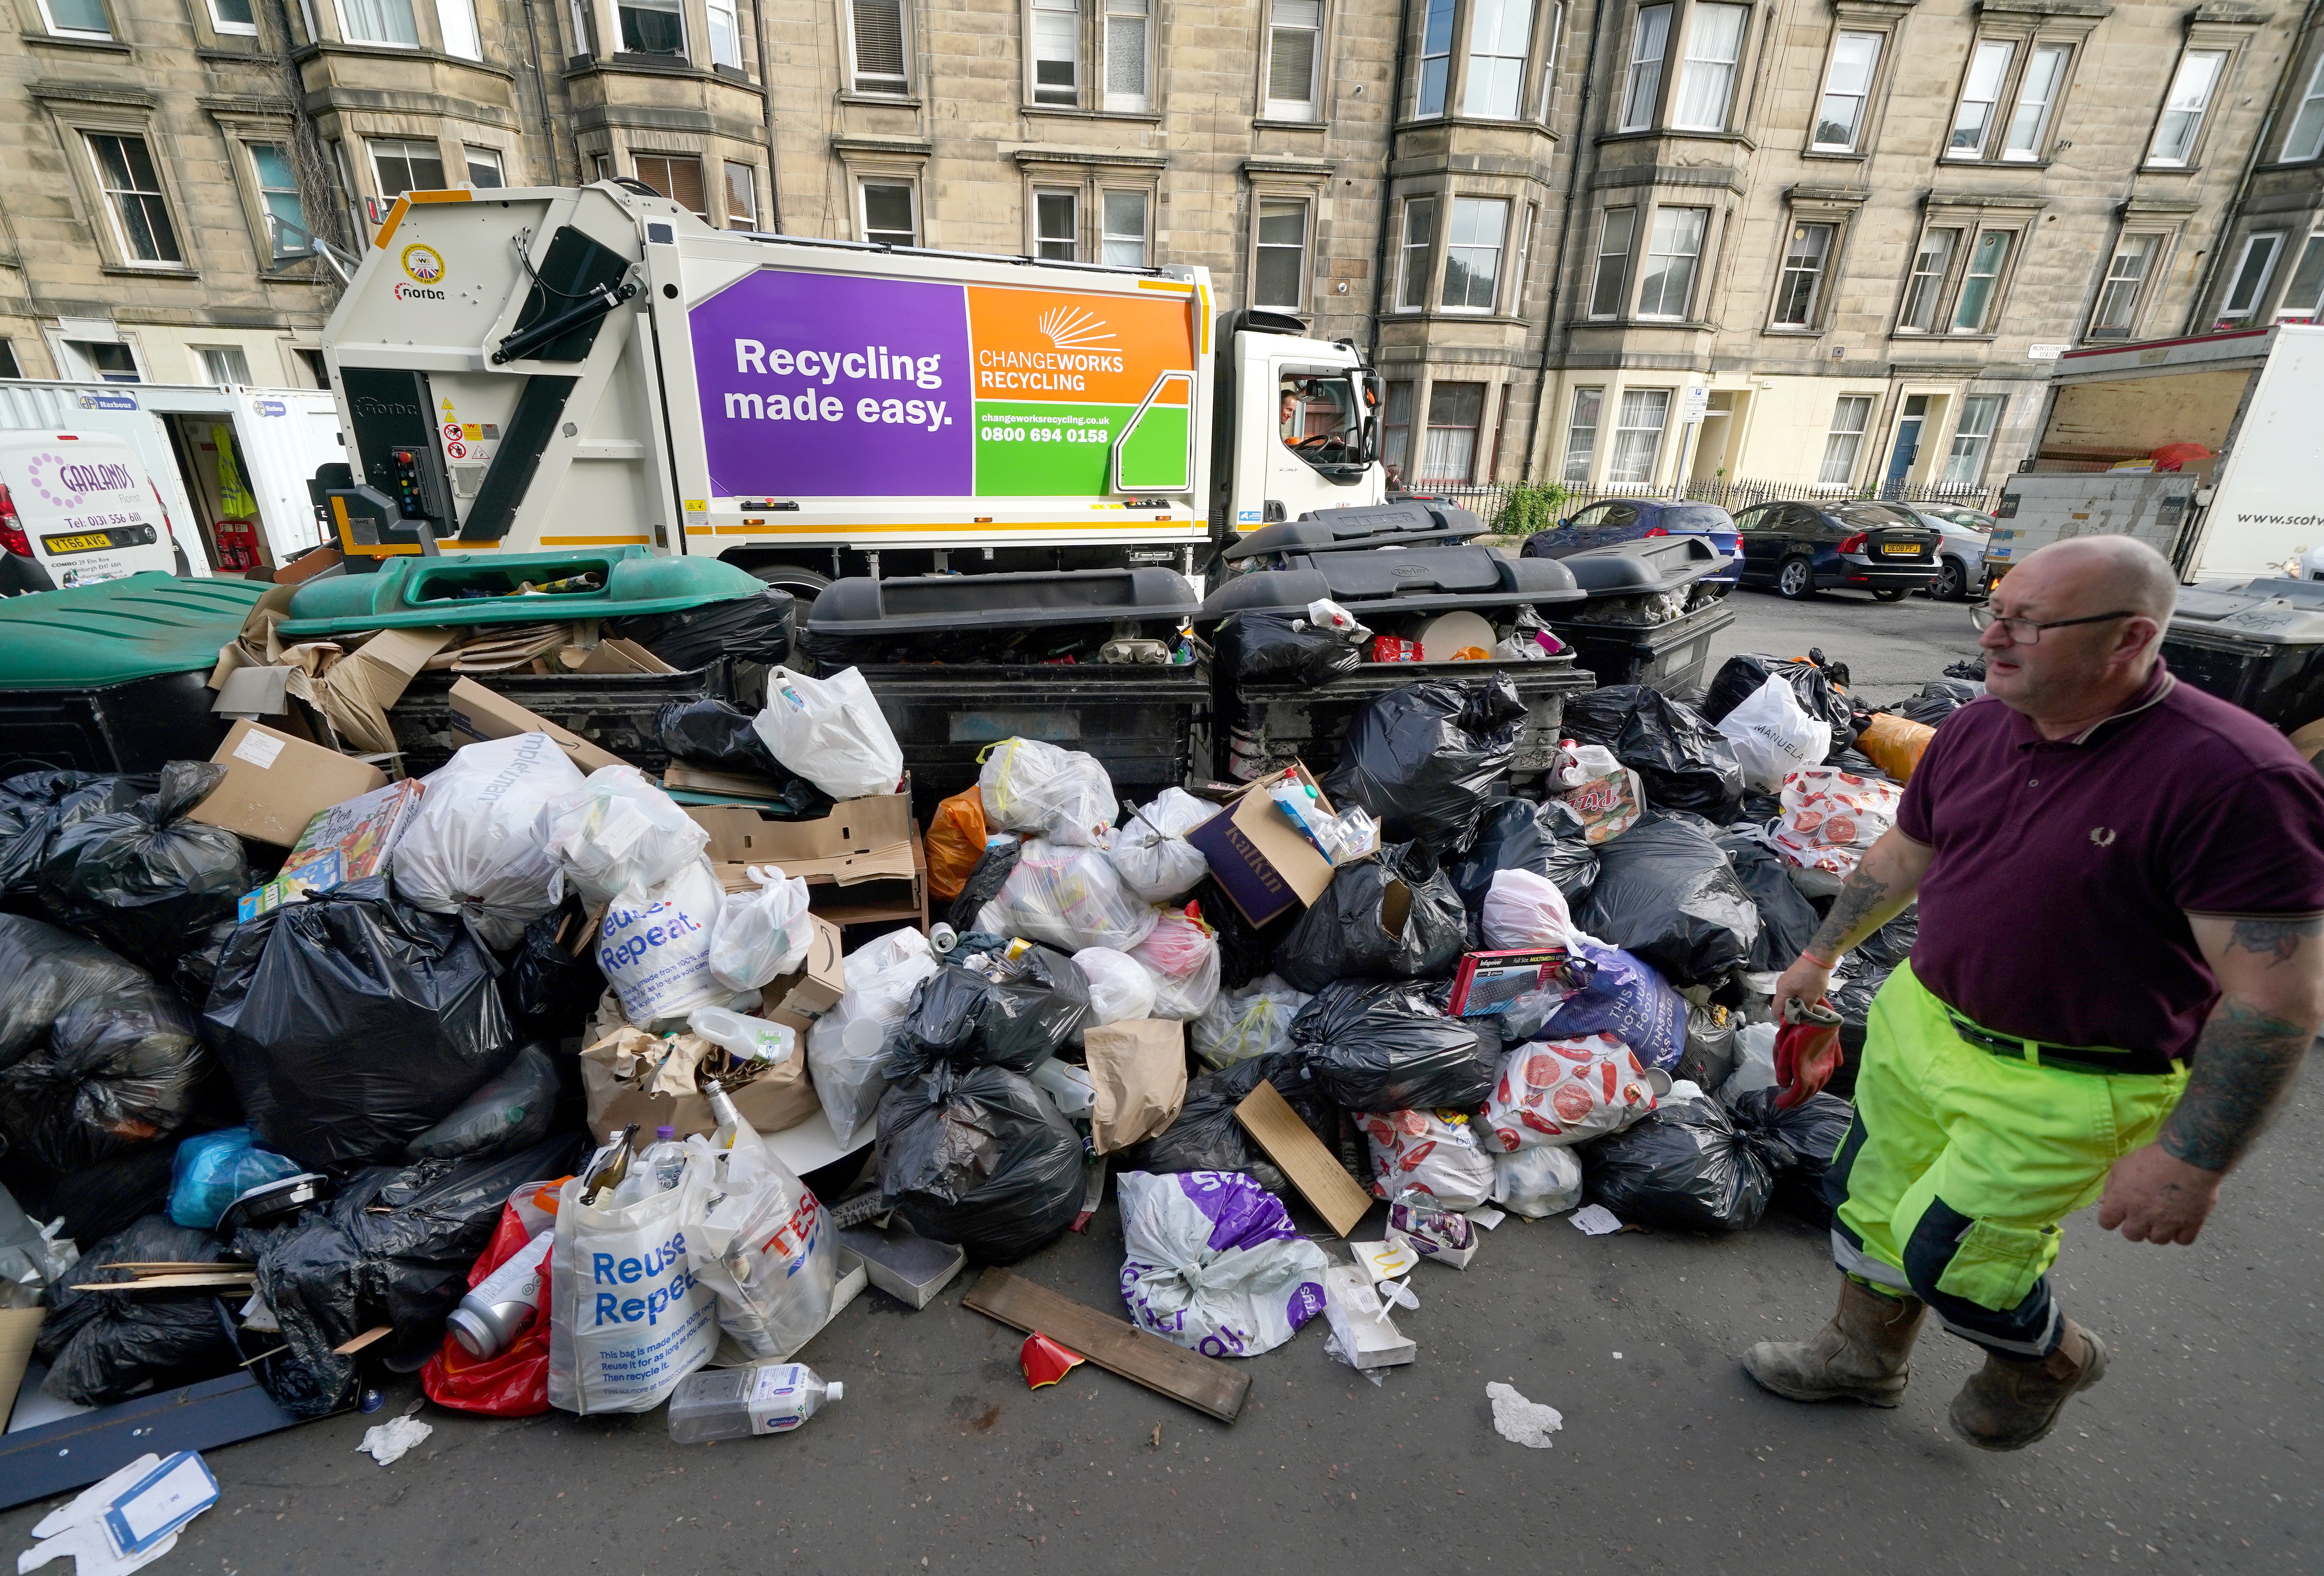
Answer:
(416, 592)
(119, 631)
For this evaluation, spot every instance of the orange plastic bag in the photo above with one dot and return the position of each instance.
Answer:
(955, 841)
(1895, 744)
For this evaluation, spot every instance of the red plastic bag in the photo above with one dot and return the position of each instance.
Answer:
(514, 1384)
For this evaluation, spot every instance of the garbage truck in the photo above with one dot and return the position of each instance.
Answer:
(2204, 448)
(524, 369)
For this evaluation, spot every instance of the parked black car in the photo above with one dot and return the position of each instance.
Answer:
(1799, 549)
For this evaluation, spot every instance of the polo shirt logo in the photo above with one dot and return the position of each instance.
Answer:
(2103, 836)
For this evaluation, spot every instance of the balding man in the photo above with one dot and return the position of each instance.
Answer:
(2120, 966)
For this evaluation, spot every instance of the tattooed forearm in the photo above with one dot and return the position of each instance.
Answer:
(2243, 1062)
(2275, 940)
(1863, 906)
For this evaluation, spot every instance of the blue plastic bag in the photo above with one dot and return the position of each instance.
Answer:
(213, 1169)
(1623, 996)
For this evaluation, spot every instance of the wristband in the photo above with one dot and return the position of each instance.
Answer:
(1810, 957)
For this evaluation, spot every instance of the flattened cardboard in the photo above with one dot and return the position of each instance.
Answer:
(620, 656)
(859, 843)
(272, 802)
(1320, 1179)
(1260, 858)
(478, 713)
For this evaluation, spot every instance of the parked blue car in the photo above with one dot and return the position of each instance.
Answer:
(1627, 520)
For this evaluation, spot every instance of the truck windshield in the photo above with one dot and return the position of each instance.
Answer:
(1321, 420)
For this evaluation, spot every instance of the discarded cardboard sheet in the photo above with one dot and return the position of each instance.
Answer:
(1204, 1383)
(274, 784)
(478, 713)
(616, 655)
(860, 860)
(1320, 1179)
(1368, 1338)
(905, 1265)
(1138, 1069)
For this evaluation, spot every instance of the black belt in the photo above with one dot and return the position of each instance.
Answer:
(2074, 1058)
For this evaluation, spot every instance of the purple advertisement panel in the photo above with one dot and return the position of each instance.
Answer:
(816, 384)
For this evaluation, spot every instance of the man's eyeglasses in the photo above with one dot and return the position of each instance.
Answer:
(2024, 631)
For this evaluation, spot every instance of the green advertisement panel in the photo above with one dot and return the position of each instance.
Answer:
(1045, 450)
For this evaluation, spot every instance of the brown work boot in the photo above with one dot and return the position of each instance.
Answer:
(1864, 1354)
(2012, 1401)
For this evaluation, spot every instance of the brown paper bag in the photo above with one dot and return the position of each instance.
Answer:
(1139, 1069)
(620, 1078)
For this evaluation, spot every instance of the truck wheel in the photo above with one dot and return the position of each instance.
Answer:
(1952, 582)
(803, 584)
(1795, 580)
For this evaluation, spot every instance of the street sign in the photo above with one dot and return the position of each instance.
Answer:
(1693, 403)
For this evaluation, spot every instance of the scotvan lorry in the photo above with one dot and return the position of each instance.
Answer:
(551, 367)
(2254, 398)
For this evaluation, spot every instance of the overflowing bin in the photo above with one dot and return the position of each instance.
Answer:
(2256, 644)
(1650, 618)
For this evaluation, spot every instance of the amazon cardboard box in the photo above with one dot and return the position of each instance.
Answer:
(1259, 857)
(275, 783)
(478, 713)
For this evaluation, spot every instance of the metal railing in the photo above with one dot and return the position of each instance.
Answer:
(1488, 500)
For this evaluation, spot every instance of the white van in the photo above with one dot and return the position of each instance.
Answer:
(77, 508)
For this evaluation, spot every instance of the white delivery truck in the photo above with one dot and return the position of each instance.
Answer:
(2253, 398)
(541, 368)
(232, 465)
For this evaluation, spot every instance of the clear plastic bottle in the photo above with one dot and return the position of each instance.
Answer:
(664, 1159)
(736, 1403)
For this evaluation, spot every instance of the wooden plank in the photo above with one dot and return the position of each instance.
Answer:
(73, 1452)
(1321, 1179)
(1115, 1345)
(349, 1348)
(170, 1282)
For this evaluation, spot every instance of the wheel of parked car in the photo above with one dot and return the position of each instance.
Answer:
(1952, 581)
(1889, 593)
(1795, 579)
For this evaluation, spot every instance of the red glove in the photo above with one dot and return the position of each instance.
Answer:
(1807, 1051)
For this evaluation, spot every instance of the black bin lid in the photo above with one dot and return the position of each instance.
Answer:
(1409, 523)
(1650, 563)
(2273, 612)
(1428, 579)
(917, 603)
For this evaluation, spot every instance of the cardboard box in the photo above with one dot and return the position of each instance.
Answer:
(1259, 857)
(275, 783)
(1486, 982)
(613, 655)
(797, 1000)
(861, 863)
(477, 715)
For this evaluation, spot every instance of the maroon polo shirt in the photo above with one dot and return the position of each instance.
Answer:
(2056, 907)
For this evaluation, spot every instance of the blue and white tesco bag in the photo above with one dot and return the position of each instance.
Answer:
(630, 1316)
(655, 947)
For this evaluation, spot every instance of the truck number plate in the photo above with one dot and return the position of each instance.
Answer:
(76, 544)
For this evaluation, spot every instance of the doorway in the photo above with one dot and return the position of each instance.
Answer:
(1906, 448)
(218, 480)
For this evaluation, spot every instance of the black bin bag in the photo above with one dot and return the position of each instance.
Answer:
(712, 734)
(392, 1247)
(1667, 893)
(1246, 950)
(145, 880)
(103, 1347)
(34, 805)
(95, 1056)
(1787, 921)
(1384, 1048)
(1424, 758)
(1509, 836)
(512, 1111)
(1683, 762)
(1283, 647)
(1803, 1140)
(1206, 1137)
(351, 1023)
(1687, 1167)
(751, 629)
(1817, 685)
(1391, 917)
(961, 1015)
(549, 988)
(980, 1157)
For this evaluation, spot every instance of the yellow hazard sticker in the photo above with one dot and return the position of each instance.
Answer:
(697, 506)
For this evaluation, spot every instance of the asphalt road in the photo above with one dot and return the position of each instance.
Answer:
(2188, 1457)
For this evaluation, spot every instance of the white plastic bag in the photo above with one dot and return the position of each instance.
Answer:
(1565, 1091)
(1151, 852)
(1068, 896)
(1522, 909)
(654, 947)
(1832, 817)
(1236, 1028)
(830, 732)
(1418, 1151)
(1773, 735)
(1120, 987)
(478, 844)
(1213, 1263)
(762, 933)
(758, 1238)
(629, 1315)
(619, 832)
(845, 1045)
(1183, 956)
(1062, 795)
(1539, 1181)
(1757, 1067)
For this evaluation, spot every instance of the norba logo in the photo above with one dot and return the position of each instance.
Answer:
(424, 265)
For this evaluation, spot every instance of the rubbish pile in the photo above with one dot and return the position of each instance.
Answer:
(587, 1084)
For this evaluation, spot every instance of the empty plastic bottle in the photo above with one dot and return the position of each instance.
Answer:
(735, 1403)
(665, 1158)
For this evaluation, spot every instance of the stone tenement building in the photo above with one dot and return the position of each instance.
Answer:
(1613, 243)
